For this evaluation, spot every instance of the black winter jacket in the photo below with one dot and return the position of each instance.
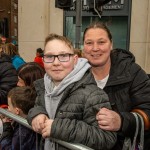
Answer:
(17, 137)
(128, 87)
(75, 119)
(8, 77)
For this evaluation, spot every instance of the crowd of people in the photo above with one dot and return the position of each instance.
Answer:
(84, 97)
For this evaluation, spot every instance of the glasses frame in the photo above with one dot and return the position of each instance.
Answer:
(69, 55)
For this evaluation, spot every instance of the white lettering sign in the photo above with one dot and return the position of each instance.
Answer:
(113, 4)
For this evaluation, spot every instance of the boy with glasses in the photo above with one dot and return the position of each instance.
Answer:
(68, 100)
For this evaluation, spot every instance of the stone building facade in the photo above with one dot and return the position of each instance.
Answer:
(37, 18)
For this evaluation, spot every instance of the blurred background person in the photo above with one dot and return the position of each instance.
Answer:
(38, 59)
(11, 50)
(8, 76)
(3, 40)
(28, 73)
(78, 52)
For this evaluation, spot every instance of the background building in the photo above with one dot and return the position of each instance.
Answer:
(37, 18)
(9, 20)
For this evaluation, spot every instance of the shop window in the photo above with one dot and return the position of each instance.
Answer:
(116, 14)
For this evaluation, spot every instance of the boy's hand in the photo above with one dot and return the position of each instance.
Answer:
(47, 128)
(38, 122)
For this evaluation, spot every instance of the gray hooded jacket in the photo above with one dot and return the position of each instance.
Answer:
(75, 116)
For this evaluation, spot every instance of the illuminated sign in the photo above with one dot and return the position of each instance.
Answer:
(114, 4)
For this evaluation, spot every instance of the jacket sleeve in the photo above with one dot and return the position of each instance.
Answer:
(38, 108)
(86, 130)
(33, 112)
(140, 99)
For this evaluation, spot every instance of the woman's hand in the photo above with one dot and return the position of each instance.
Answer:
(108, 119)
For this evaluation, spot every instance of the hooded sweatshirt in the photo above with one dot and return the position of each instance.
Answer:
(53, 94)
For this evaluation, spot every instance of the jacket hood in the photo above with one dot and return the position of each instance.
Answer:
(121, 63)
(123, 57)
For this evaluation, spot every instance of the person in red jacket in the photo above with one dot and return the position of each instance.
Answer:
(38, 58)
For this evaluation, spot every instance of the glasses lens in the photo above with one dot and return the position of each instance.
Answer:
(48, 58)
(63, 57)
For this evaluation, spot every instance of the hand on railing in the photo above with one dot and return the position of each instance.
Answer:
(25, 123)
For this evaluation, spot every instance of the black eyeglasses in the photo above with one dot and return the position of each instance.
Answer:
(61, 57)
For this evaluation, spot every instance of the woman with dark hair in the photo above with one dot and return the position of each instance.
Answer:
(28, 73)
(126, 83)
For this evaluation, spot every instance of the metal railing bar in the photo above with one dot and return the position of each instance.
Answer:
(25, 123)
(15, 117)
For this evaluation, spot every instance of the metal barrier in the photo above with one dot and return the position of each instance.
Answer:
(25, 123)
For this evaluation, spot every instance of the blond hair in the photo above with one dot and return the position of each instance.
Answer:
(54, 36)
(10, 49)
